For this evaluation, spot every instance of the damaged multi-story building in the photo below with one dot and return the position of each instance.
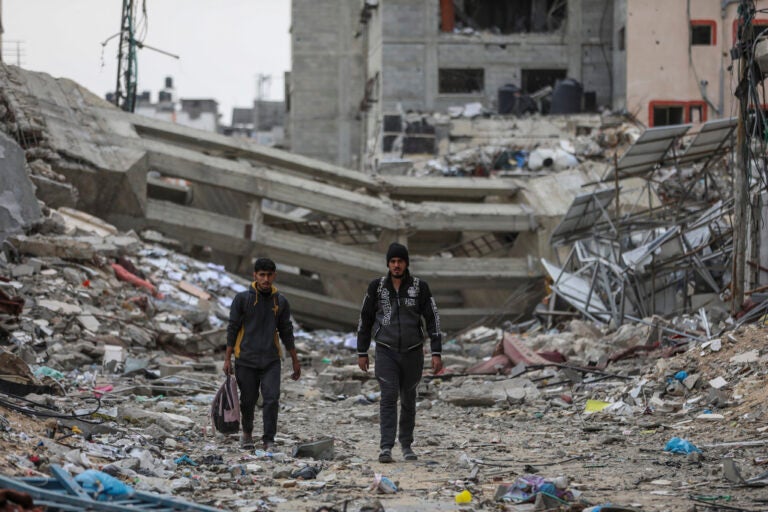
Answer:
(672, 61)
(359, 66)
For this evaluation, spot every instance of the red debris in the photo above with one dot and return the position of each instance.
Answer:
(11, 305)
(124, 275)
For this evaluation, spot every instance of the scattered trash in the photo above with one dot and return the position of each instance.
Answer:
(383, 485)
(306, 473)
(463, 497)
(321, 449)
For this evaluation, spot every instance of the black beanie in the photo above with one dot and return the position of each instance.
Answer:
(397, 250)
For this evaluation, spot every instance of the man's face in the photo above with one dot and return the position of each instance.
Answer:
(264, 279)
(397, 267)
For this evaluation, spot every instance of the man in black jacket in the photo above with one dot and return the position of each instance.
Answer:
(256, 318)
(391, 315)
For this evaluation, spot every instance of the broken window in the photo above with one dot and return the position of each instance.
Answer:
(461, 81)
(703, 33)
(533, 80)
(410, 136)
(503, 16)
(665, 113)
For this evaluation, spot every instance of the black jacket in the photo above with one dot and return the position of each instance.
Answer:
(255, 320)
(393, 319)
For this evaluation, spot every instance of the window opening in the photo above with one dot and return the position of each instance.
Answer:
(532, 80)
(665, 113)
(703, 32)
(461, 81)
(504, 16)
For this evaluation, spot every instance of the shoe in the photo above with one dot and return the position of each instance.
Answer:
(246, 442)
(269, 446)
(385, 456)
(408, 454)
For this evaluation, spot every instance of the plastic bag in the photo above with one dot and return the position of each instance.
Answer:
(102, 486)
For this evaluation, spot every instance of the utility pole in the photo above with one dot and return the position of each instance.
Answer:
(127, 66)
(742, 170)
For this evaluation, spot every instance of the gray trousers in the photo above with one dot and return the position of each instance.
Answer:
(251, 381)
(399, 376)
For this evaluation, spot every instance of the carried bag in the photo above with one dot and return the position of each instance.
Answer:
(225, 409)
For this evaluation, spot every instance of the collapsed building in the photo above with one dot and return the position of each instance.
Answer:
(327, 224)
(597, 228)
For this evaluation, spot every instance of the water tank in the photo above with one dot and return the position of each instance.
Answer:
(508, 96)
(566, 97)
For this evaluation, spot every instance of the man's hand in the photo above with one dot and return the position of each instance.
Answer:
(228, 366)
(362, 362)
(437, 364)
(296, 370)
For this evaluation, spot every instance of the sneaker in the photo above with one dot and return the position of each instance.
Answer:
(385, 456)
(408, 454)
(246, 442)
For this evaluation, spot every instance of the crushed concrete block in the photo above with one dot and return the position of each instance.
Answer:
(19, 208)
(53, 247)
(138, 335)
(751, 356)
(718, 382)
(54, 194)
(168, 421)
(172, 369)
(87, 223)
(584, 329)
(60, 307)
(22, 270)
(89, 323)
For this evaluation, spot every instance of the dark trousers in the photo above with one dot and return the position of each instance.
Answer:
(251, 381)
(399, 376)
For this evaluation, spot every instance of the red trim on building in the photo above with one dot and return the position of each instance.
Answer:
(447, 16)
(712, 24)
(757, 22)
(686, 109)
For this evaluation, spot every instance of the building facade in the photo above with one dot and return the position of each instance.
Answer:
(672, 59)
(360, 66)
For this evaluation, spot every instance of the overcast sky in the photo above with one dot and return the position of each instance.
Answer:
(223, 44)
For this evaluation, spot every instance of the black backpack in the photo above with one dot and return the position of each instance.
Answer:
(225, 409)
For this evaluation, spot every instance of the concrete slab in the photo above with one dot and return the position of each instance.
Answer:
(18, 205)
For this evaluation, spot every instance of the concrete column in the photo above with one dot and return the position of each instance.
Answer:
(432, 9)
(255, 220)
(575, 34)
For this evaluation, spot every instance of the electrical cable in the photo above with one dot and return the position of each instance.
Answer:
(50, 412)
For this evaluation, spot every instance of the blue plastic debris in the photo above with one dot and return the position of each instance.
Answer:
(185, 460)
(102, 486)
(678, 445)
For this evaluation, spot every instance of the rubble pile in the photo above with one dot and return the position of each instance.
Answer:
(117, 376)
